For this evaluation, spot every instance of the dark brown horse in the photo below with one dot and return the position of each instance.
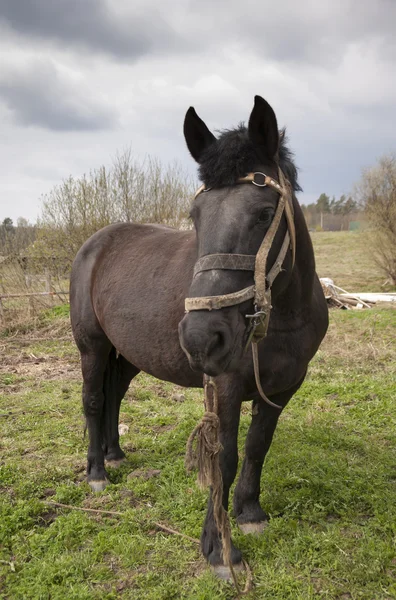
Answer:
(128, 289)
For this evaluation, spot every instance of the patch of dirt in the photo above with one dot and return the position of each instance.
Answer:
(332, 518)
(11, 388)
(45, 519)
(103, 502)
(144, 473)
(130, 496)
(43, 367)
(162, 428)
(159, 389)
(48, 492)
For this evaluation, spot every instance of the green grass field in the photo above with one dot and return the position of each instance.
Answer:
(329, 482)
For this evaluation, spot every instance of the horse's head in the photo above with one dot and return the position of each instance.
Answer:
(232, 215)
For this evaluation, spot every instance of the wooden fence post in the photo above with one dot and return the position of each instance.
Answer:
(2, 319)
(28, 279)
(48, 287)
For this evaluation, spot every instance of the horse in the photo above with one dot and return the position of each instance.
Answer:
(184, 305)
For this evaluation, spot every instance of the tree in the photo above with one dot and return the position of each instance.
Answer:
(323, 203)
(350, 205)
(376, 193)
(323, 206)
(7, 233)
(8, 225)
(15, 239)
(130, 190)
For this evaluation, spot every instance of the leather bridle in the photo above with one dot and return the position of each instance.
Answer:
(260, 292)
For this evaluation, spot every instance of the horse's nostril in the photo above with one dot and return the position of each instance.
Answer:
(216, 343)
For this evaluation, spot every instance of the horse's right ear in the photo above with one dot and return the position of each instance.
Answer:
(198, 137)
(263, 128)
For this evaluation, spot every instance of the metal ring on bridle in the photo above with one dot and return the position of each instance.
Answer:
(256, 182)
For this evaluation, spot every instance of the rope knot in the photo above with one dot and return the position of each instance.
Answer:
(207, 448)
(210, 419)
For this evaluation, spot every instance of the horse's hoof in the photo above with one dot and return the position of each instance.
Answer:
(115, 463)
(253, 528)
(223, 572)
(98, 485)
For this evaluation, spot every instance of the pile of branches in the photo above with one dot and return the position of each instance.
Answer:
(338, 298)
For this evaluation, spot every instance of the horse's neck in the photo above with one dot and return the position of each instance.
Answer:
(298, 294)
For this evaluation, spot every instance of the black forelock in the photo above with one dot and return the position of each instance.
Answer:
(233, 156)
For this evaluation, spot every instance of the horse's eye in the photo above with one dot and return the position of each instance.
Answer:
(265, 217)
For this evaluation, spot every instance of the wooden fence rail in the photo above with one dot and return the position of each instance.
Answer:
(26, 295)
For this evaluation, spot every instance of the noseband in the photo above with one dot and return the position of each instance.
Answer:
(260, 291)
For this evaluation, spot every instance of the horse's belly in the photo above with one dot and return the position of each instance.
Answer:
(151, 344)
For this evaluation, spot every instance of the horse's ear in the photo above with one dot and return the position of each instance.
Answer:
(263, 128)
(198, 136)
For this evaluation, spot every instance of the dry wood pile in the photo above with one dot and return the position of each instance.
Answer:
(339, 298)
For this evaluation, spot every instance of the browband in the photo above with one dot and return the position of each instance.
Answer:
(257, 178)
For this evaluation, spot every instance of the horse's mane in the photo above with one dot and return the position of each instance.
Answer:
(234, 156)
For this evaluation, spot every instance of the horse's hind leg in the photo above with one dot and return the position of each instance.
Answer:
(118, 375)
(93, 366)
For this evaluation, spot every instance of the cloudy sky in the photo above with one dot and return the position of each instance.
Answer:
(81, 79)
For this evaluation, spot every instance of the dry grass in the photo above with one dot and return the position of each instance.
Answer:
(347, 258)
(25, 310)
(360, 336)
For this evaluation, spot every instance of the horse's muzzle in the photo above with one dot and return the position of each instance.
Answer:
(207, 342)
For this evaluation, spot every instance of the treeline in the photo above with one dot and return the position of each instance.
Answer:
(343, 207)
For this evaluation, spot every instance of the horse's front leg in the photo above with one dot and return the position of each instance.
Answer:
(250, 517)
(229, 405)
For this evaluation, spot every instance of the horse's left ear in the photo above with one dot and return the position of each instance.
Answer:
(197, 135)
(263, 128)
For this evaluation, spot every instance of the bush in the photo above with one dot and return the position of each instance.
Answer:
(376, 192)
(142, 192)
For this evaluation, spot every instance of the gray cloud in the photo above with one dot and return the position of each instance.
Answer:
(308, 32)
(297, 32)
(90, 24)
(124, 73)
(38, 95)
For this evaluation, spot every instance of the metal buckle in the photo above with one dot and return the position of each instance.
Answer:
(259, 318)
(259, 184)
(200, 190)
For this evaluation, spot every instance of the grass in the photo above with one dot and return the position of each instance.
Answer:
(329, 482)
(347, 258)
